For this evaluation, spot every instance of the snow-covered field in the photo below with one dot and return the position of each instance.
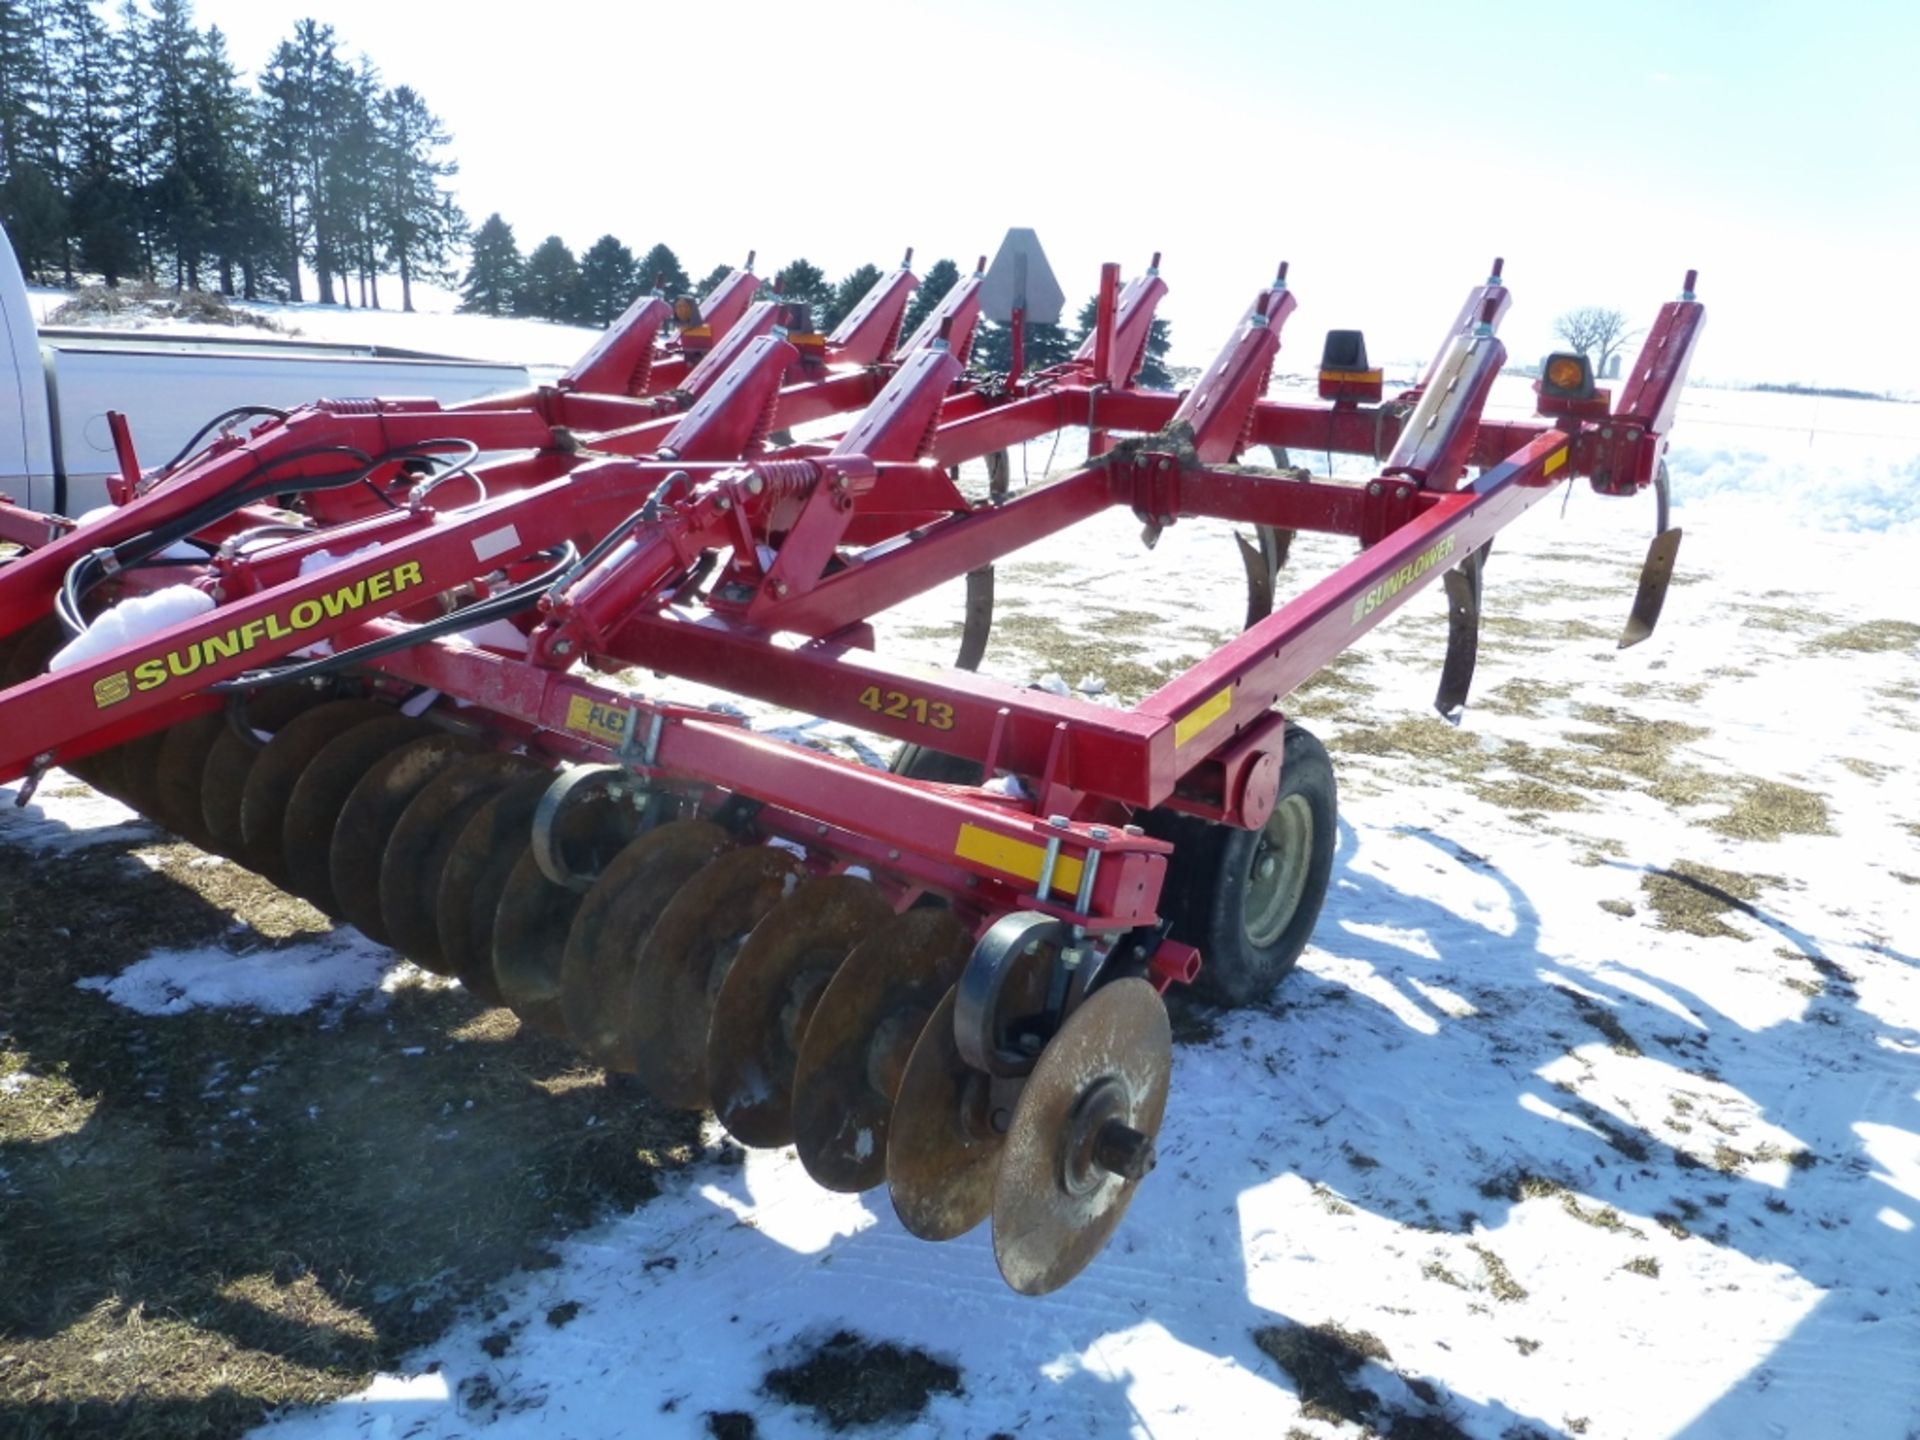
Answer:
(1594, 1108)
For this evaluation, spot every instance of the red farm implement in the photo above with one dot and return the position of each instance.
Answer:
(373, 649)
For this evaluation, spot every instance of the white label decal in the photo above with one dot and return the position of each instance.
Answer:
(496, 542)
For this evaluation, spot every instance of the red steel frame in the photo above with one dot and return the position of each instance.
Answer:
(880, 506)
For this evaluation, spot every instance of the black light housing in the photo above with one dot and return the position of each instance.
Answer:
(1567, 375)
(1345, 376)
(1344, 350)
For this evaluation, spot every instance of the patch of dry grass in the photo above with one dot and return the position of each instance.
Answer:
(1871, 637)
(1524, 697)
(211, 1215)
(1691, 898)
(93, 303)
(1500, 1280)
(1769, 809)
(1073, 654)
(1601, 1018)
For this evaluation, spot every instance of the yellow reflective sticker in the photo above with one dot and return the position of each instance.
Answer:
(607, 723)
(1554, 461)
(1201, 716)
(1016, 857)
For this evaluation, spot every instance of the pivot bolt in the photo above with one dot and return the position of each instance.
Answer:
(1121, 1150)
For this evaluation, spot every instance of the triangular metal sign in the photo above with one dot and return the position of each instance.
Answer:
(1020, 278)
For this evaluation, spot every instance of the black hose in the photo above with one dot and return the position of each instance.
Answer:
(236, 413)
(508, 602)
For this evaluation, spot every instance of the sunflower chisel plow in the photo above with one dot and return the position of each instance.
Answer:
(368, 649)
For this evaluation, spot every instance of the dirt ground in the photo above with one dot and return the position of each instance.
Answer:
(212, 1214)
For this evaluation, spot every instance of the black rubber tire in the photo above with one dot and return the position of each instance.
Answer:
(1208, 880)
(923, 762)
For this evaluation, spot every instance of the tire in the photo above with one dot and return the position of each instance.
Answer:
(923, 762)
(1250, 927)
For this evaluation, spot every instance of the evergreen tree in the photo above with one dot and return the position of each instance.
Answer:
(609, 280)
(941, 277)
(1042, 346)
(848, 294)
(305, 91)
(550, 282)
(178, 218)
(493, 271)
(714, 277)
(1153, 366)
(353, 172)
(35, 214)
(660, 269)
(103, 218)
(806, 283)
(241, 233)
(418, 223)
(31, 200)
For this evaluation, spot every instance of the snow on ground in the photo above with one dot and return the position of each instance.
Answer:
(434, 328)
(278, 982)
(1575, 1170)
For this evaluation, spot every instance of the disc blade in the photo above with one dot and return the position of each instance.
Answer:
(178, 772)
(223, 780)
(30, 650)
(1055, 1205)
(612, 926)
(277, 769)
(488, 847)
(942, 1146)
(367, 820)
(321, 793)
(686, 958)
(105, 770)
(858, 1042)
(761, 1014)
(530, 926)
(415, 860)
(139, 772)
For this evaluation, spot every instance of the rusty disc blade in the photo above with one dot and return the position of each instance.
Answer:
(1055, 1205)
(178, 773)
(8, 645)
(321, 793)
(858, 1042)
(489, 846)
(105, 770)
(139, 772)
(612, 926)
(530, 926)
(761, 1014)
(29, 651)
(686, 958)
(277, 769)
(534, 915)
(942, 1145)
(415, 858)
(223, 780)
(367, 820)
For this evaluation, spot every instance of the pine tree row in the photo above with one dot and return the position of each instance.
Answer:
(134, 150)
(551, 284)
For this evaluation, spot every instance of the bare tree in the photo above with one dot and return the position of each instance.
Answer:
(1596, 332)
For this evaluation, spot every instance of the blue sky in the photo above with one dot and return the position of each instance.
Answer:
(1387, 151)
